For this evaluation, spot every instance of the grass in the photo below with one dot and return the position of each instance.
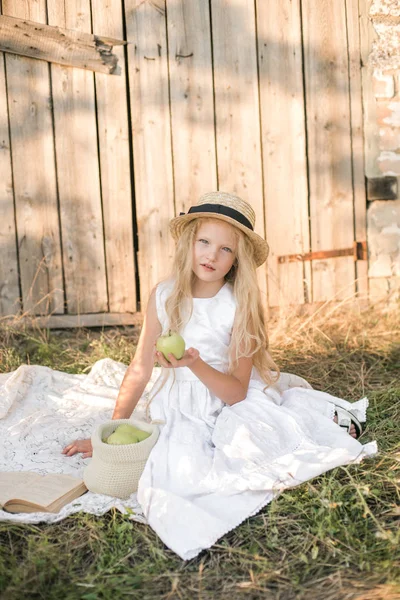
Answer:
(336, 536)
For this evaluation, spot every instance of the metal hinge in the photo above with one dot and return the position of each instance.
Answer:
(358, 251)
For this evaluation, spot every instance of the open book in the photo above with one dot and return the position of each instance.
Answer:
(27, 492)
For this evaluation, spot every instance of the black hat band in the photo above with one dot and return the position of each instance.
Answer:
(222, 210)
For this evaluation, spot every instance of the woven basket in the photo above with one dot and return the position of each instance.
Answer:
(115, 470)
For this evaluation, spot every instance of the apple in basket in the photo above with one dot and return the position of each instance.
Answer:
(171, 343)
(126, 434)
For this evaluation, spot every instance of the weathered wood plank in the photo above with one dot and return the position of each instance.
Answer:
(72, 321)
(31, 133)
(329, 146)
(237, 108)
(148, 83)
(54, 44)
(9, 285)
(368, 36)
(284, 148)
(78, 171)
(356, 109)
(113, 131)
(192, 103)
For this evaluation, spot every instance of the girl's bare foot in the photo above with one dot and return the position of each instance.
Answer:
(352, 431)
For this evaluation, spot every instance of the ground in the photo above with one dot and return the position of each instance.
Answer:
(335, 537)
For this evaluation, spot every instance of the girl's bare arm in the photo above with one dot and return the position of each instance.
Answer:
(228, 388)
(141, 367)
(136, 376)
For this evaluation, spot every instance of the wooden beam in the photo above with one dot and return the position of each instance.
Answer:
(284, 148)
(58, 45)
(115, 171)
(329, 147)
(78, 171)
(151, 132)
(72, 321)
(237, 109)
(34, 177)
(192, 101)
(9, 285)
(357, 140)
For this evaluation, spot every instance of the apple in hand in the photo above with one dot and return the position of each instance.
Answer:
(171, 343)
(126, 434)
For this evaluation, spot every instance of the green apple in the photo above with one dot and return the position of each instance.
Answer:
(120, 439)
(171, 343)
(127, 434)
(142, 435)
(127, 428)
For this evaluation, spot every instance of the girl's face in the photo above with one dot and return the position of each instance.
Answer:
(214, 251)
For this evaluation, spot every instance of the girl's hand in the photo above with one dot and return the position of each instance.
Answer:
(187, 360)
(84, 446)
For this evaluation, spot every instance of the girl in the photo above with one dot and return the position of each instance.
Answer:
(234, 432)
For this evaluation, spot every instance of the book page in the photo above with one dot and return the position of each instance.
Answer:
(40, 489)
(12, 483)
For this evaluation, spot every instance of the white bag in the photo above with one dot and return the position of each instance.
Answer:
(115, 470)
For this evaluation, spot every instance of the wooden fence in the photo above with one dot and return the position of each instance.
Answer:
(258, 97)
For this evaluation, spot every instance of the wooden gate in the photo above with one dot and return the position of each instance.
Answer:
(257, 97)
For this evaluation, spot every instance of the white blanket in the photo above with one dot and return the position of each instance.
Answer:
(41, 411)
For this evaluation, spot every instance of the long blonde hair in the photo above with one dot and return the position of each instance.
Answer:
(249, 333)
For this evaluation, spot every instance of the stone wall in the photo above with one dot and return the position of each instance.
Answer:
(381, 95)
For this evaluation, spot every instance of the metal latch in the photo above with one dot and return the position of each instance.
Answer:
(358, 251)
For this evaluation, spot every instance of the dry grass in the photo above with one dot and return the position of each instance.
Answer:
(335, 537)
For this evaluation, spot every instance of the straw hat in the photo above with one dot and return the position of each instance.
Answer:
(116, 470)
(228, 208)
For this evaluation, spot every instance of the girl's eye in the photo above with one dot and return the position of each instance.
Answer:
(206, 242)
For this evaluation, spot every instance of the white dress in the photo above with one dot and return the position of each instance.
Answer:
(214, 465)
